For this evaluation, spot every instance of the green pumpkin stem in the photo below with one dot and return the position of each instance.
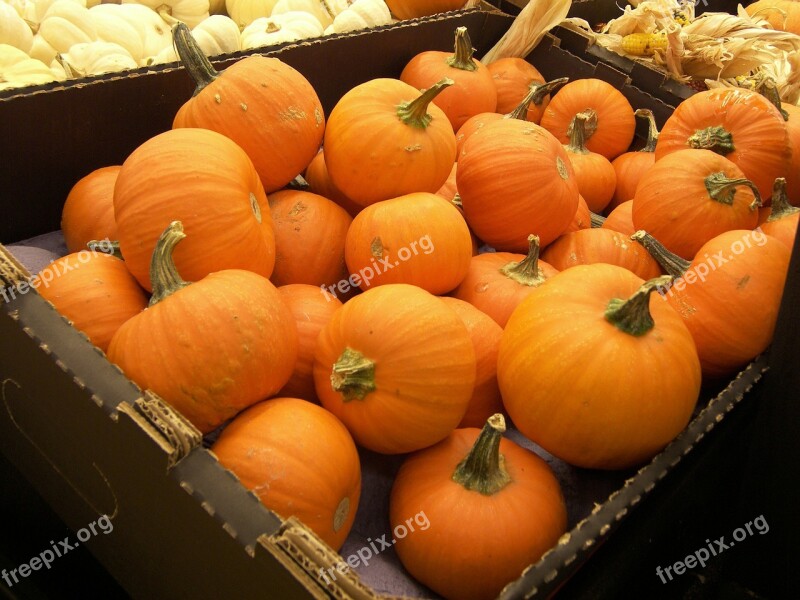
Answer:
(537, 92)
(582, 127)
(526, 271)
(462, 57)
(353, 375)
(717, 138)
(632, 316)
(722, 189)
(192, 57)
(457, 202)
(780, 202)
(415, 112)
(164, 276)
(483, 469)
(670, 262)
(105, 247)
(766, 86)
(652, 129)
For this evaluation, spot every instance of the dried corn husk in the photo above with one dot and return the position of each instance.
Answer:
(527, 30)
(785, 73)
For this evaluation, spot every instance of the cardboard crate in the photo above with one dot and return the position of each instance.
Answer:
(92, 443)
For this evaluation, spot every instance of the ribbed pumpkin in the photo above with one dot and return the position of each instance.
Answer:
(311, 308)
(266, 106)
(498, 281)
(485, 334)
(507, 495)
(514, 78)
(185, 174)
(384, 139)
(728, 296)
(309, 238)
(95, 291)
(630, 166)
(783, 218)
(596, 177)
(620, 219)
(587, 362)
(473, 90)
(299, 460)
(210, 348)
(538, 188)
(690, 196)
(397, 366)
(88, 212)
(319, 182)
(741, 125)
(419, 239)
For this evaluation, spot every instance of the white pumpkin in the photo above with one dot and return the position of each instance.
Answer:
(113, 26)
(95, 58)
(244, 12)
(155, 32)
(279, 29)
(191, 12)
(360, 15)
(33, 11)
(17, 69)
(14, 31)
(216, 35)
(323, 10)
(65, 23)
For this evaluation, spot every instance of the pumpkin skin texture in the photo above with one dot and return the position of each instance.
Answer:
(513, 77)
(319, 182)
(684, 200)
(373, 154)
(509, 528)
(202, 167)
(554, 375)
(309, 238)
(629, 167)
(616, 123)
(95, 291)
(299, 460)
(486, 336)
(212, 348)
(88, 212)
(620, 219)
(594, 172)
(782, 218)
(740, 124)
(793, 127)
(582, 218)
(264, 105)
(411, 9)
(597, 245)
(538, 187)
(782, 15)
(397, 367)
(419, 239)
(312, 309)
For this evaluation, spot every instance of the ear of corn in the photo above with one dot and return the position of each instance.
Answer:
(643, 44)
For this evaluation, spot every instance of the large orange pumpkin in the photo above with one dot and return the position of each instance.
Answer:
(88, 212)
(596, 371)
(397, 366)
(299, 460)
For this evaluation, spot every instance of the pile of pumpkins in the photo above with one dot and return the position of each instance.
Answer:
(55, 40)
(348, 308)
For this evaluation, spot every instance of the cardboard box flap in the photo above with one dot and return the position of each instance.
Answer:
(12, 272)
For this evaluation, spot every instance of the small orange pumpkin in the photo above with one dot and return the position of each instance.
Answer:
(594, 173)
(582, 218)
(782, 218)
(630, 166)
(515, 78)
(319, 182)
(88, 212)
(621, 219)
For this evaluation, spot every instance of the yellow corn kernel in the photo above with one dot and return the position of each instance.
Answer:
(644, 44)
(680, 18)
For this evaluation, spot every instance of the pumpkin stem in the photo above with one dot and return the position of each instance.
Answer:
(415, 112)
(353, 375)
(164, 275)
(670, 262)
(780, 202)
(192, 57)
(462, 58)
(165, 12)
(526, 271)
(537, 92)
(723, 189)
(581, 128)
(105, 247)
(652, 129)
(633, 315)
(765, 85)
(483, 469)
(597, 220)
(717, 139)
(457, 202)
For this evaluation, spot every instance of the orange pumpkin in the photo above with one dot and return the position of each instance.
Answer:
(630, 166)
(514, 79)
(582, 218)
(397, 367)
(690, 196)
(419, 239)
(449, 191)
(88, 212)
(94, 291)
(485, 334)
(782, 218)
(594, 173)
(620, 219)
(411, 9)
(508, 495)
(266, 106)
(793, 174)
(473, 90)
(311, 308)
(783, 15)
(319, 182)
(741, 125)
(183, 174)
(383, 139)
(616, 123)
(210, 348)
(538, 188)
(309, 238)
(299, 460)
(596, 409)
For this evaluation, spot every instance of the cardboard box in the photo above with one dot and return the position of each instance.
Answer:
(93, 444)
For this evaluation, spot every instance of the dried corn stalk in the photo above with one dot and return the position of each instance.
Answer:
(527, 30)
